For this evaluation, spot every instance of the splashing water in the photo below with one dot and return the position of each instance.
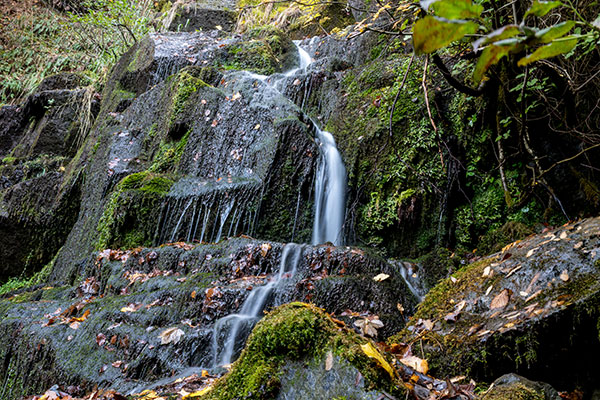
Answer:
(230, 329)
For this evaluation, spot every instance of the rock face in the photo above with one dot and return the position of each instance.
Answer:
(533, 309)
(74, 335)
(40, 199)
(191, 16)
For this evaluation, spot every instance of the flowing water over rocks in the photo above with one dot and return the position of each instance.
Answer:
(203, 139)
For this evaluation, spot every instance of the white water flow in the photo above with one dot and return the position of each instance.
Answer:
(230, 329)
(330, 192)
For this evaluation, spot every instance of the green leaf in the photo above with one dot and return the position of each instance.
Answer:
(505, 32)
(596, 22)
(560, 46)
(456, 9)
(490, 56)
(541, 8)
(549, 34)
(431, 33)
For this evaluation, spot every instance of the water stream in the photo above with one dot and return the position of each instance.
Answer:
(230, 332)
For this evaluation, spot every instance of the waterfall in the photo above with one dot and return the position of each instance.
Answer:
(330, 192)
(231, 331)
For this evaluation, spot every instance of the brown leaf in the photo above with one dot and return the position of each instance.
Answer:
(564, 276)
(501, 300)
(451, 317)
(171, 335)
(100, 339)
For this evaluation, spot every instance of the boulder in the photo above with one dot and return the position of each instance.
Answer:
(532, 308)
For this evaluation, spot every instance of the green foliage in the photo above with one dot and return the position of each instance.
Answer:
(451, 21)
(432, 33)
(41, 42)
(22, 282)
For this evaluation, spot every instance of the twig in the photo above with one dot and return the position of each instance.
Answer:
(399, 90)
(567, 159)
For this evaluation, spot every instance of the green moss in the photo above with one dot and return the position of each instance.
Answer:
(295, 331)
(169, 154)
(185, 84)
(20, 283)
(516, 391)
(131, 212)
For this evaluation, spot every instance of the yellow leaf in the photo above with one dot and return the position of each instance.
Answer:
(197, 394)
(381, 277)
(372, 352)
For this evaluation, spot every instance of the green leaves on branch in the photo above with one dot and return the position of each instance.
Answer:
(432, 33)
(541, 8)
(451, 20)
(557, 47)
(455, 9)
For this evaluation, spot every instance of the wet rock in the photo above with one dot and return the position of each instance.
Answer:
(515, 387)
(190, 16)
(532, 308)
(133, 296)
(225, 142)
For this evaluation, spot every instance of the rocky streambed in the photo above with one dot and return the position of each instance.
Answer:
(154, 209)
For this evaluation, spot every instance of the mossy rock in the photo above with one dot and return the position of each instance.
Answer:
(290, 333)
(130, 215)
(263, 50)
(515, 387)
(493, 316)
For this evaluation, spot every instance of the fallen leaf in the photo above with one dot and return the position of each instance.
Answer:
(199, 393)
(372, 352)
(400, 308)
(329, 361)
(564, 276)
(416, 363)
(74, 325)
(381, 277)
(453, 279)
(257, 127)
(489, 289)
(369, 325)
(193, 295)
(264, 249)
(501, 300)
(515, 269)
(117, 364)
(171, 335)
(451, 317)
(296, 82)
(487, 270)
(578, 245)
(236, 96)
(563, 235)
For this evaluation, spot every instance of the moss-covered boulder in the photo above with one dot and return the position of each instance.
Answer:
(515, 387)
(533, 308)
(300, 334)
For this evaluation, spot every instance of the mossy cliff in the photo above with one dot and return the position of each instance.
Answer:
(72, 335)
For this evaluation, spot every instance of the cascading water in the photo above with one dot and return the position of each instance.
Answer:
(330, 192)
(231, 331)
